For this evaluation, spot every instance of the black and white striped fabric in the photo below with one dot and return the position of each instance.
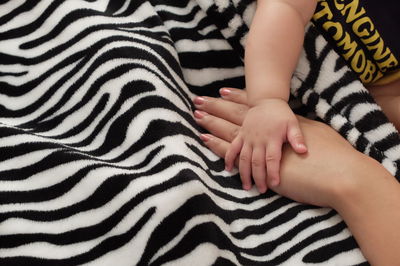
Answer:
(100, 160)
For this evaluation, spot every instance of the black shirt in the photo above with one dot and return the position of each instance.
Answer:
(364, 32)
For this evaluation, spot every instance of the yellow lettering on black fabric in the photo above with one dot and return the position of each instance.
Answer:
(380, 51)
(325, 11)
(349, 46)
(370, 71)
(363, 27)
(356, 37)
(339, 4)
(359, 61)
(372, 39)
(388, 64)
(337, 27)
(352, 11)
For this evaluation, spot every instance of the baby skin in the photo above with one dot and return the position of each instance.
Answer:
(272, 51)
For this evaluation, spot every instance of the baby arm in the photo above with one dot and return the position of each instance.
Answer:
(272, 50)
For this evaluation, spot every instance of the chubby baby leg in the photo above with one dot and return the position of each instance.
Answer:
(388, 98)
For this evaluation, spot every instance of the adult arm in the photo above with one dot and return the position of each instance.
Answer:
(333, 174)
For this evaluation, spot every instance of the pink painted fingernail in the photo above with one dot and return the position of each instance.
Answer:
(205, 137)
(225, 92)
(246, 186)
(199, 100)
(274, 182)
(199, 114)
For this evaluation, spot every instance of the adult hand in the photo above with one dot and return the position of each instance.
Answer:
(316, 177)
(331, 174)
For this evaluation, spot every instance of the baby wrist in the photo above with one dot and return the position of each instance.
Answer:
(261, 101)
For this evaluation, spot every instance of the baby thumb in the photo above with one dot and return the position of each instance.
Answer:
(296, 139)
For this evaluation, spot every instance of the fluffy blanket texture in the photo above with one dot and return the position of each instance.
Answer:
(100, 159)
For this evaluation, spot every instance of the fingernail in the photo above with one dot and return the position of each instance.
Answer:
(224, 91)
(199, 114)
(262, 190)
(246, 186)
(274, 182)
(302, 146)
(198, 100)
(205, 137)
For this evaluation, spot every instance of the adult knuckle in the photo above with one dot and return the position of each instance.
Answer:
(209, 102)
(272, 174)
(297, 136)
(271, 158)
(241, 110)
(211, 123)
(215, 144)
(243, 158)
(256, 162)
(234, 132)
(218, 148)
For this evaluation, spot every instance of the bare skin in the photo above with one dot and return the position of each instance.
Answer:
(270, 60)
(272, 51)
(361, 190)
(388, 97)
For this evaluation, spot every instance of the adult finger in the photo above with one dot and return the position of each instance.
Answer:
(245, 166)
(232, 152)
(258, 168)
(295, 137)
(216, 126)
(217, 145)
(224, 109)
(234, 95)
(273, 160)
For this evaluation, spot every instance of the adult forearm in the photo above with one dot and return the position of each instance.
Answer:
(333, 174)
(371, 209)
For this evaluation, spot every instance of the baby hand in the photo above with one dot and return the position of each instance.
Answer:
(265, 128)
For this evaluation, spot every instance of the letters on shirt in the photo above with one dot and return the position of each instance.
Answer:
(356, 38)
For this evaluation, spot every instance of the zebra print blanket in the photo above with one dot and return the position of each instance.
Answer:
(100, 160)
